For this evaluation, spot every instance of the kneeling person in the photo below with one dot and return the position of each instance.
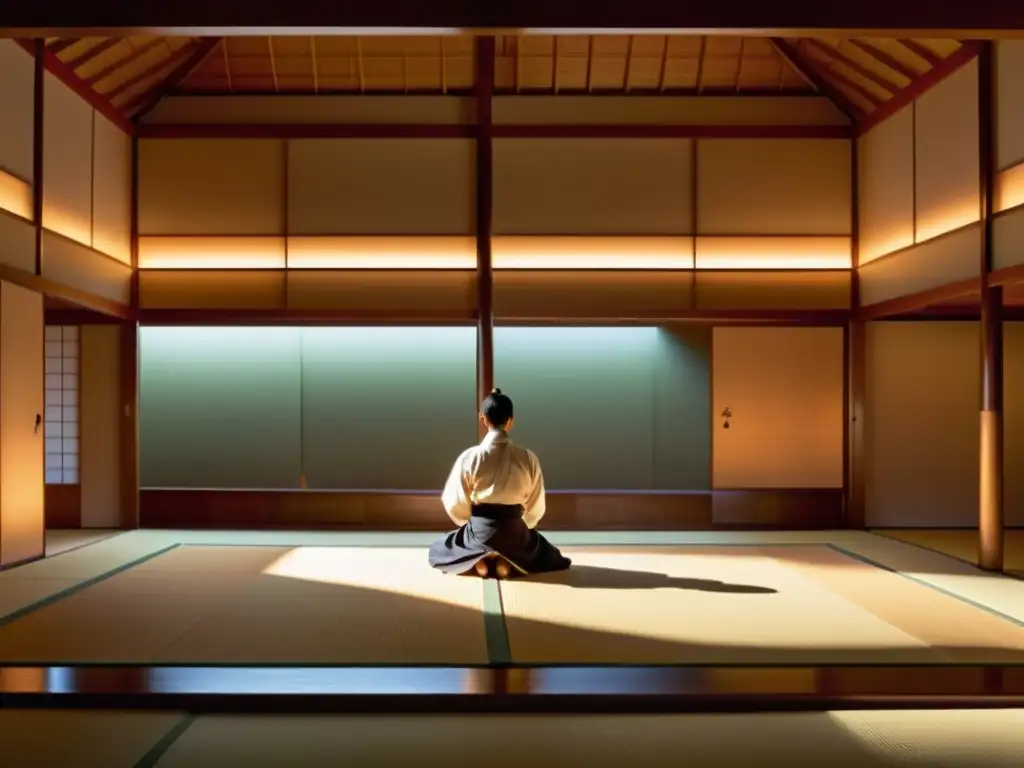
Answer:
(495, 494)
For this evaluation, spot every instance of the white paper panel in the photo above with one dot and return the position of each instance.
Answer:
(16, 107)
(773, 187)
(17, 243)
(211, 187)
(944, 260)
(593, 186)
(886, 181)
(1008, 239)
(1009, 103)
(79, 267)
(946, 150)
(112, 192)
(67, 162)
(380, 186)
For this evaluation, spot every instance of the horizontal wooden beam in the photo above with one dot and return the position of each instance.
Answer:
(867, 18)
(921, 300)
(524, 131)
(1007, 275)
(60, 291)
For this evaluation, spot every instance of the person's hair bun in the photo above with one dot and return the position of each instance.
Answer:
(495, 391)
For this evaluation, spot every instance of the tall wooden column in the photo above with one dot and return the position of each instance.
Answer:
(129, 372)
(854, 512)
(484, 269)
(990, 509)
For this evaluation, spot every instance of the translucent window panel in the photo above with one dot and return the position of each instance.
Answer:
(60, 428)
(387, 408)
(219, 407)
(615, 408)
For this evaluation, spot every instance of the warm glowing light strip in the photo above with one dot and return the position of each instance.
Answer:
(949, 219)
(1009, 189)
(211, 253)
(513, 252)
(774, 253)
(382, 253)
(15, 195)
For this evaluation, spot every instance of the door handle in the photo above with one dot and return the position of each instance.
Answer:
(726, 415)
(39, 423)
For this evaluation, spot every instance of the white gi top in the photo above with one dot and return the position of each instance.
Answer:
(497, 471)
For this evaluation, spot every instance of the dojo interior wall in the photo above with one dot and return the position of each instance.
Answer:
(921, 431)
(391, 407)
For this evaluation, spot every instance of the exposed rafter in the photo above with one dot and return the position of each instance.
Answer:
(820, 84)
(199, 53)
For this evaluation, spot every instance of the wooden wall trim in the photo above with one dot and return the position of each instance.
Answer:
(921, 300)
(63, 292)
(422, 511)
(855, 381)
(484, 219)
(38, 165)
(63, 506)
(469, 131)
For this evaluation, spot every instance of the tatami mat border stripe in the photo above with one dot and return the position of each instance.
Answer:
(152, 758)
(924, 583)
(499, 650)
(82, 585)
(85, 544)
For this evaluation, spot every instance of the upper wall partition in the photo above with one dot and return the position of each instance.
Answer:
(17, 236)
(1008, 227)
(919, 188)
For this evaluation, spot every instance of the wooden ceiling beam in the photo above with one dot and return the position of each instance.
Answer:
(885, 58)
(124, 61)
(840, 58)
(93, 52)
(781, 18)
(201, 51)
(59, 46)
(148, 72)
(921, 51)
(815, 80)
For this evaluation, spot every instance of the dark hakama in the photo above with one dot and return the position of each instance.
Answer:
(496, 529)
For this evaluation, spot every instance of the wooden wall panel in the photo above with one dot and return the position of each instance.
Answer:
(77, 266)
(212, 252)
(321, 109)
(593, 186)
(655, 110)
(535, 294)
(921, 424)
(112, 191)
(1013, 425)
(886, 186)
(772, 290)
(773, 187)
(68, 125)
(1009, 103)
(787, 431)
(380, 186)
(17, 243)
(384, 291)
(946, 155)
(211, 187)
(940, 261)
(22, 504)
(100, 415)
(211, 289)
(16, 105)
(1008, 239)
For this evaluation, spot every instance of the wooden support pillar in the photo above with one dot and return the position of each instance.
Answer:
(854, 516)
(484, 269)
(128, 373)
(990, 510)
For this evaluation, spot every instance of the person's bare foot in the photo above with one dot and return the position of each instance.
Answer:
(502, 569)
(481, 569)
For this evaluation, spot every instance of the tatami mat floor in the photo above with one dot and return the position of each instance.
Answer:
(213, 597)
(951, 739)
(64, 540)
(962, 544)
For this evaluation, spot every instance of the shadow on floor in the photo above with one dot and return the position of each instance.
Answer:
(593, 577)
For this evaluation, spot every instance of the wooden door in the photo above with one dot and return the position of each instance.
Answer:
(782, 392)
(22, 517)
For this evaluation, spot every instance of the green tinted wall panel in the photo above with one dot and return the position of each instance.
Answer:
(682, 405)
(387, 408)
(590, 401)
(220, 407)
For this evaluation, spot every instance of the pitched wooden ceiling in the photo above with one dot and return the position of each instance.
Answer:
(860, 75)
